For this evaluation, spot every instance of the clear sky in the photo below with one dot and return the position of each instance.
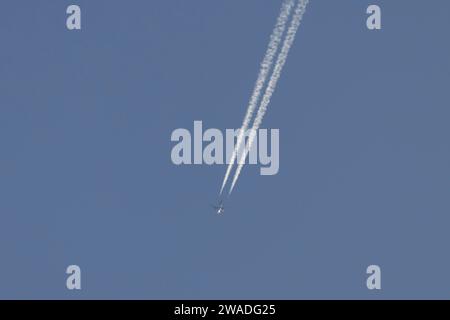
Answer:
(86, 176)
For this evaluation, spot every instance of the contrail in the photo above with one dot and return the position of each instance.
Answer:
(281, 60)
(266, 65)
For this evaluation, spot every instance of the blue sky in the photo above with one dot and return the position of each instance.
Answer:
(86, 176)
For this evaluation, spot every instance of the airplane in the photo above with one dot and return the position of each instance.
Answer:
(219, 208)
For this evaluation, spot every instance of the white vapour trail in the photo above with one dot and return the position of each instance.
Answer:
(281, 60)
(266, 65)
